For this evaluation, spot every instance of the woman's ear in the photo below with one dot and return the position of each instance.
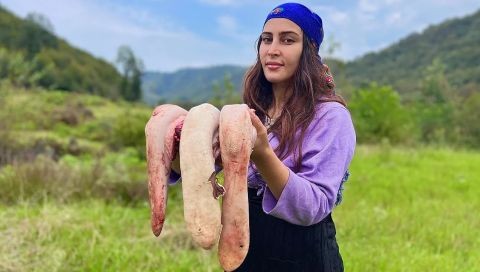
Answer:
(329, 77)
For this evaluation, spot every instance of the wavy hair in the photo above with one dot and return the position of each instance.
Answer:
(311, 84)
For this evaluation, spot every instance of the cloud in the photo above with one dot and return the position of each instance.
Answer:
(339, 18)
(237, 3)
(221, 2)
(227, 23)
(332, 14)
(391, 2)
(367, 6)
(450, 2)
(102, 27)
(394, 18)
(235, 33)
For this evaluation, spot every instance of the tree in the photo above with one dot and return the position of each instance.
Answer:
(435, 105)
(378, 114)
(37, 34)
(227, 95)
(132, 69)
(468, 120)
(40, 20)
(18, 71)
(435, 87)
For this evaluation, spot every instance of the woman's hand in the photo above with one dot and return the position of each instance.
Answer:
(270, 167)
(261, 143)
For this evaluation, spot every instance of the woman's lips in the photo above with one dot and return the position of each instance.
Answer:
(273, 65)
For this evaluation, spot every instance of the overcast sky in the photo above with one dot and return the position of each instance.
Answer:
(168, 35)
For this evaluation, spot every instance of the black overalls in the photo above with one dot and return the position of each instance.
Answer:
(276, 245)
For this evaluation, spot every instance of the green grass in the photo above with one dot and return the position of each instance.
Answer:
(403, 210)
(411, 210)
(94, 236)
(58, 118)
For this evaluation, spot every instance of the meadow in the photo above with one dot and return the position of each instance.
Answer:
(404, 209)
(73, 184)
(73, 196)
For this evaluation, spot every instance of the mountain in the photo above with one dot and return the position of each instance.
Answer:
(191, 84)
(454, 43)
(30, 47)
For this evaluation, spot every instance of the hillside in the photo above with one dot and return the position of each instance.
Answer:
(67, 123)
(191, 84)
(71, 146)
(196, 85)
(50, 62)
(455, 43)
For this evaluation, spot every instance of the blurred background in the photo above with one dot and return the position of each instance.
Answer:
(79, 80)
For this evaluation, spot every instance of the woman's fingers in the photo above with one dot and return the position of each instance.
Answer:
(261, 142)
(256, 122)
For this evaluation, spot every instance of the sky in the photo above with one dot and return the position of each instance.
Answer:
(169, 35)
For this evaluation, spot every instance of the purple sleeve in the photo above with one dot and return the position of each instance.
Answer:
(175, 177)
(310, 194)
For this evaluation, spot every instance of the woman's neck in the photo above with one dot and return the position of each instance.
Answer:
(280, 95)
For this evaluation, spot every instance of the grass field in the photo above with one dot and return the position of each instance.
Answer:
(403, 210)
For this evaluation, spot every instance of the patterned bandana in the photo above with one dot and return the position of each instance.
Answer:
(307, 20)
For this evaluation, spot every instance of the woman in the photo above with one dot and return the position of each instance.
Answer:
(305, 142)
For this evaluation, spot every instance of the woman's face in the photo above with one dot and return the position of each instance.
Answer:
(280, 50)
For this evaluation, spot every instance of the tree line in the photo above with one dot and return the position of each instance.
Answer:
(432, 113)
(31, 55)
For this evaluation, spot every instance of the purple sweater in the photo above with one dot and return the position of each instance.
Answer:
(310, 194)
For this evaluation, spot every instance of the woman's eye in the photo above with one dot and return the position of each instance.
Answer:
(288, 40)
(266, 39)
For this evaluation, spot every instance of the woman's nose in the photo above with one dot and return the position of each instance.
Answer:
(273, 49)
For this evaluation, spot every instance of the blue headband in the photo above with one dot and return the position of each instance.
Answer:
(307, 20)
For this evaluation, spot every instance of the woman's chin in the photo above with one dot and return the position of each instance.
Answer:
(275, 79)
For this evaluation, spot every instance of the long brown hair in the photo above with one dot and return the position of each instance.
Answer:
(312, 83)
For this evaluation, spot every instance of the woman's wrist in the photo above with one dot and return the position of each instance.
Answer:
(261, 154)
(272, 170)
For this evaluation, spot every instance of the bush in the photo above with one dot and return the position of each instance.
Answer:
(378, 113)
(75, 178)
(129, 130)
(468, 120)
(73, 113)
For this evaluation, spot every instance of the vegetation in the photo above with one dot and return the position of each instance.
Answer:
(31, 55)
(47, 133)
(398, 211)
(193, 85)
(453, 43)
(379, 115)
(226, 95)
(73, 189)
(397, 208)
(414, 91)
(132, 67)
(413, 99)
